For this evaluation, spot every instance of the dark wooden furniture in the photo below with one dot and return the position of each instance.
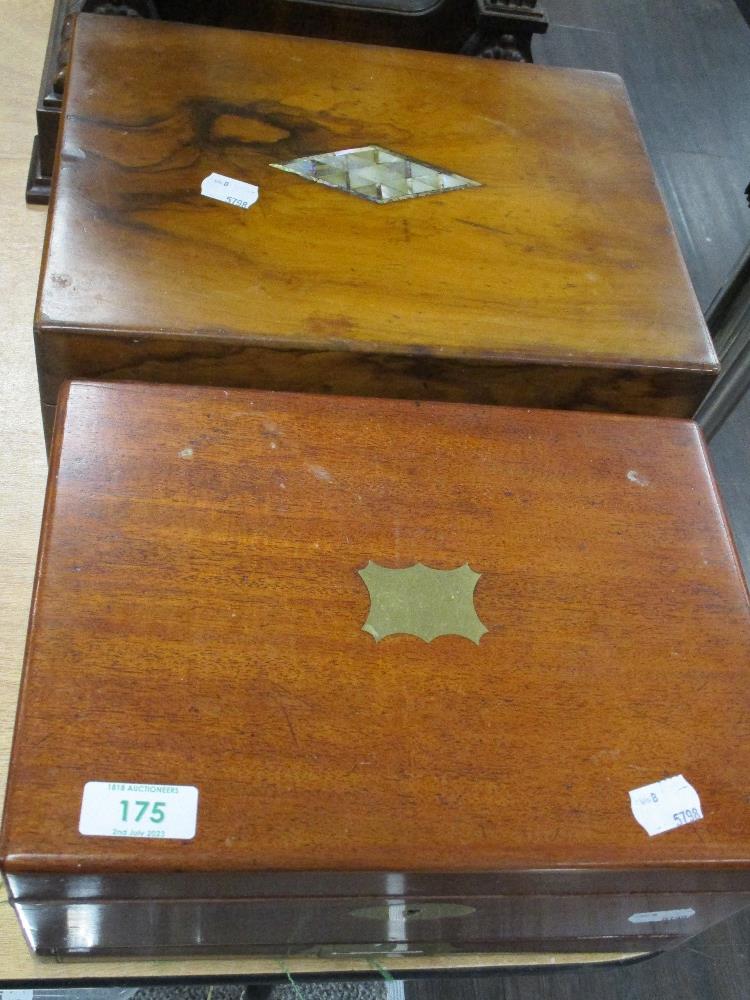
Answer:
(728, 318)
(493, 29)
(198, 621)
(554, 281)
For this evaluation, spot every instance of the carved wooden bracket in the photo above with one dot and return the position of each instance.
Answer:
(505, 29)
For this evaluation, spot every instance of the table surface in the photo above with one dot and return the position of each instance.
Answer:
(22, 479)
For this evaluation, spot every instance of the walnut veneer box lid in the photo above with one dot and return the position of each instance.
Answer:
(559, 257)
(201, 620)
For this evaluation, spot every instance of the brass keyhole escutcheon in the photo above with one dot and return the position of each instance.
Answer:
(392, 912)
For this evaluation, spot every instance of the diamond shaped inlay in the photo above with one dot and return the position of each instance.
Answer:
(376, 174)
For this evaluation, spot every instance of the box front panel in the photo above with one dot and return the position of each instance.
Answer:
(372, 926)
(652, 391)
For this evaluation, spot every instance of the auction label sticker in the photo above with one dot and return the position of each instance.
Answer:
(231, 192)
(120, 809)
(665, 805)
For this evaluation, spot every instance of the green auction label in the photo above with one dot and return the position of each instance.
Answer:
(125, 809)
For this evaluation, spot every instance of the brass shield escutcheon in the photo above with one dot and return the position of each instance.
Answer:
(421, 601)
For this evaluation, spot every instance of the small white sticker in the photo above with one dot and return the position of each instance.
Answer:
(656, 916)
(665, 805)
(230, 191)
(119, 809)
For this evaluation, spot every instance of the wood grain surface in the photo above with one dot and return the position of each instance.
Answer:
(23, 470)
(22, 478)
(198, 621)
(557, 282)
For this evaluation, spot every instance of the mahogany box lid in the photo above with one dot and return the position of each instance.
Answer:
(202, 619)
(560, 251)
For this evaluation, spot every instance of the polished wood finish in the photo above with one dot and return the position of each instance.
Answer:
(197, 620)
(557, 282)
(490, 29)
(23, 471)
(707, 968)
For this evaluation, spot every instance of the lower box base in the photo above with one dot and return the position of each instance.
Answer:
(358, 927)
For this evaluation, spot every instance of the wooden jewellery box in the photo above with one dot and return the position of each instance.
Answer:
(490, 29)
(490, 233)
(314, 673)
